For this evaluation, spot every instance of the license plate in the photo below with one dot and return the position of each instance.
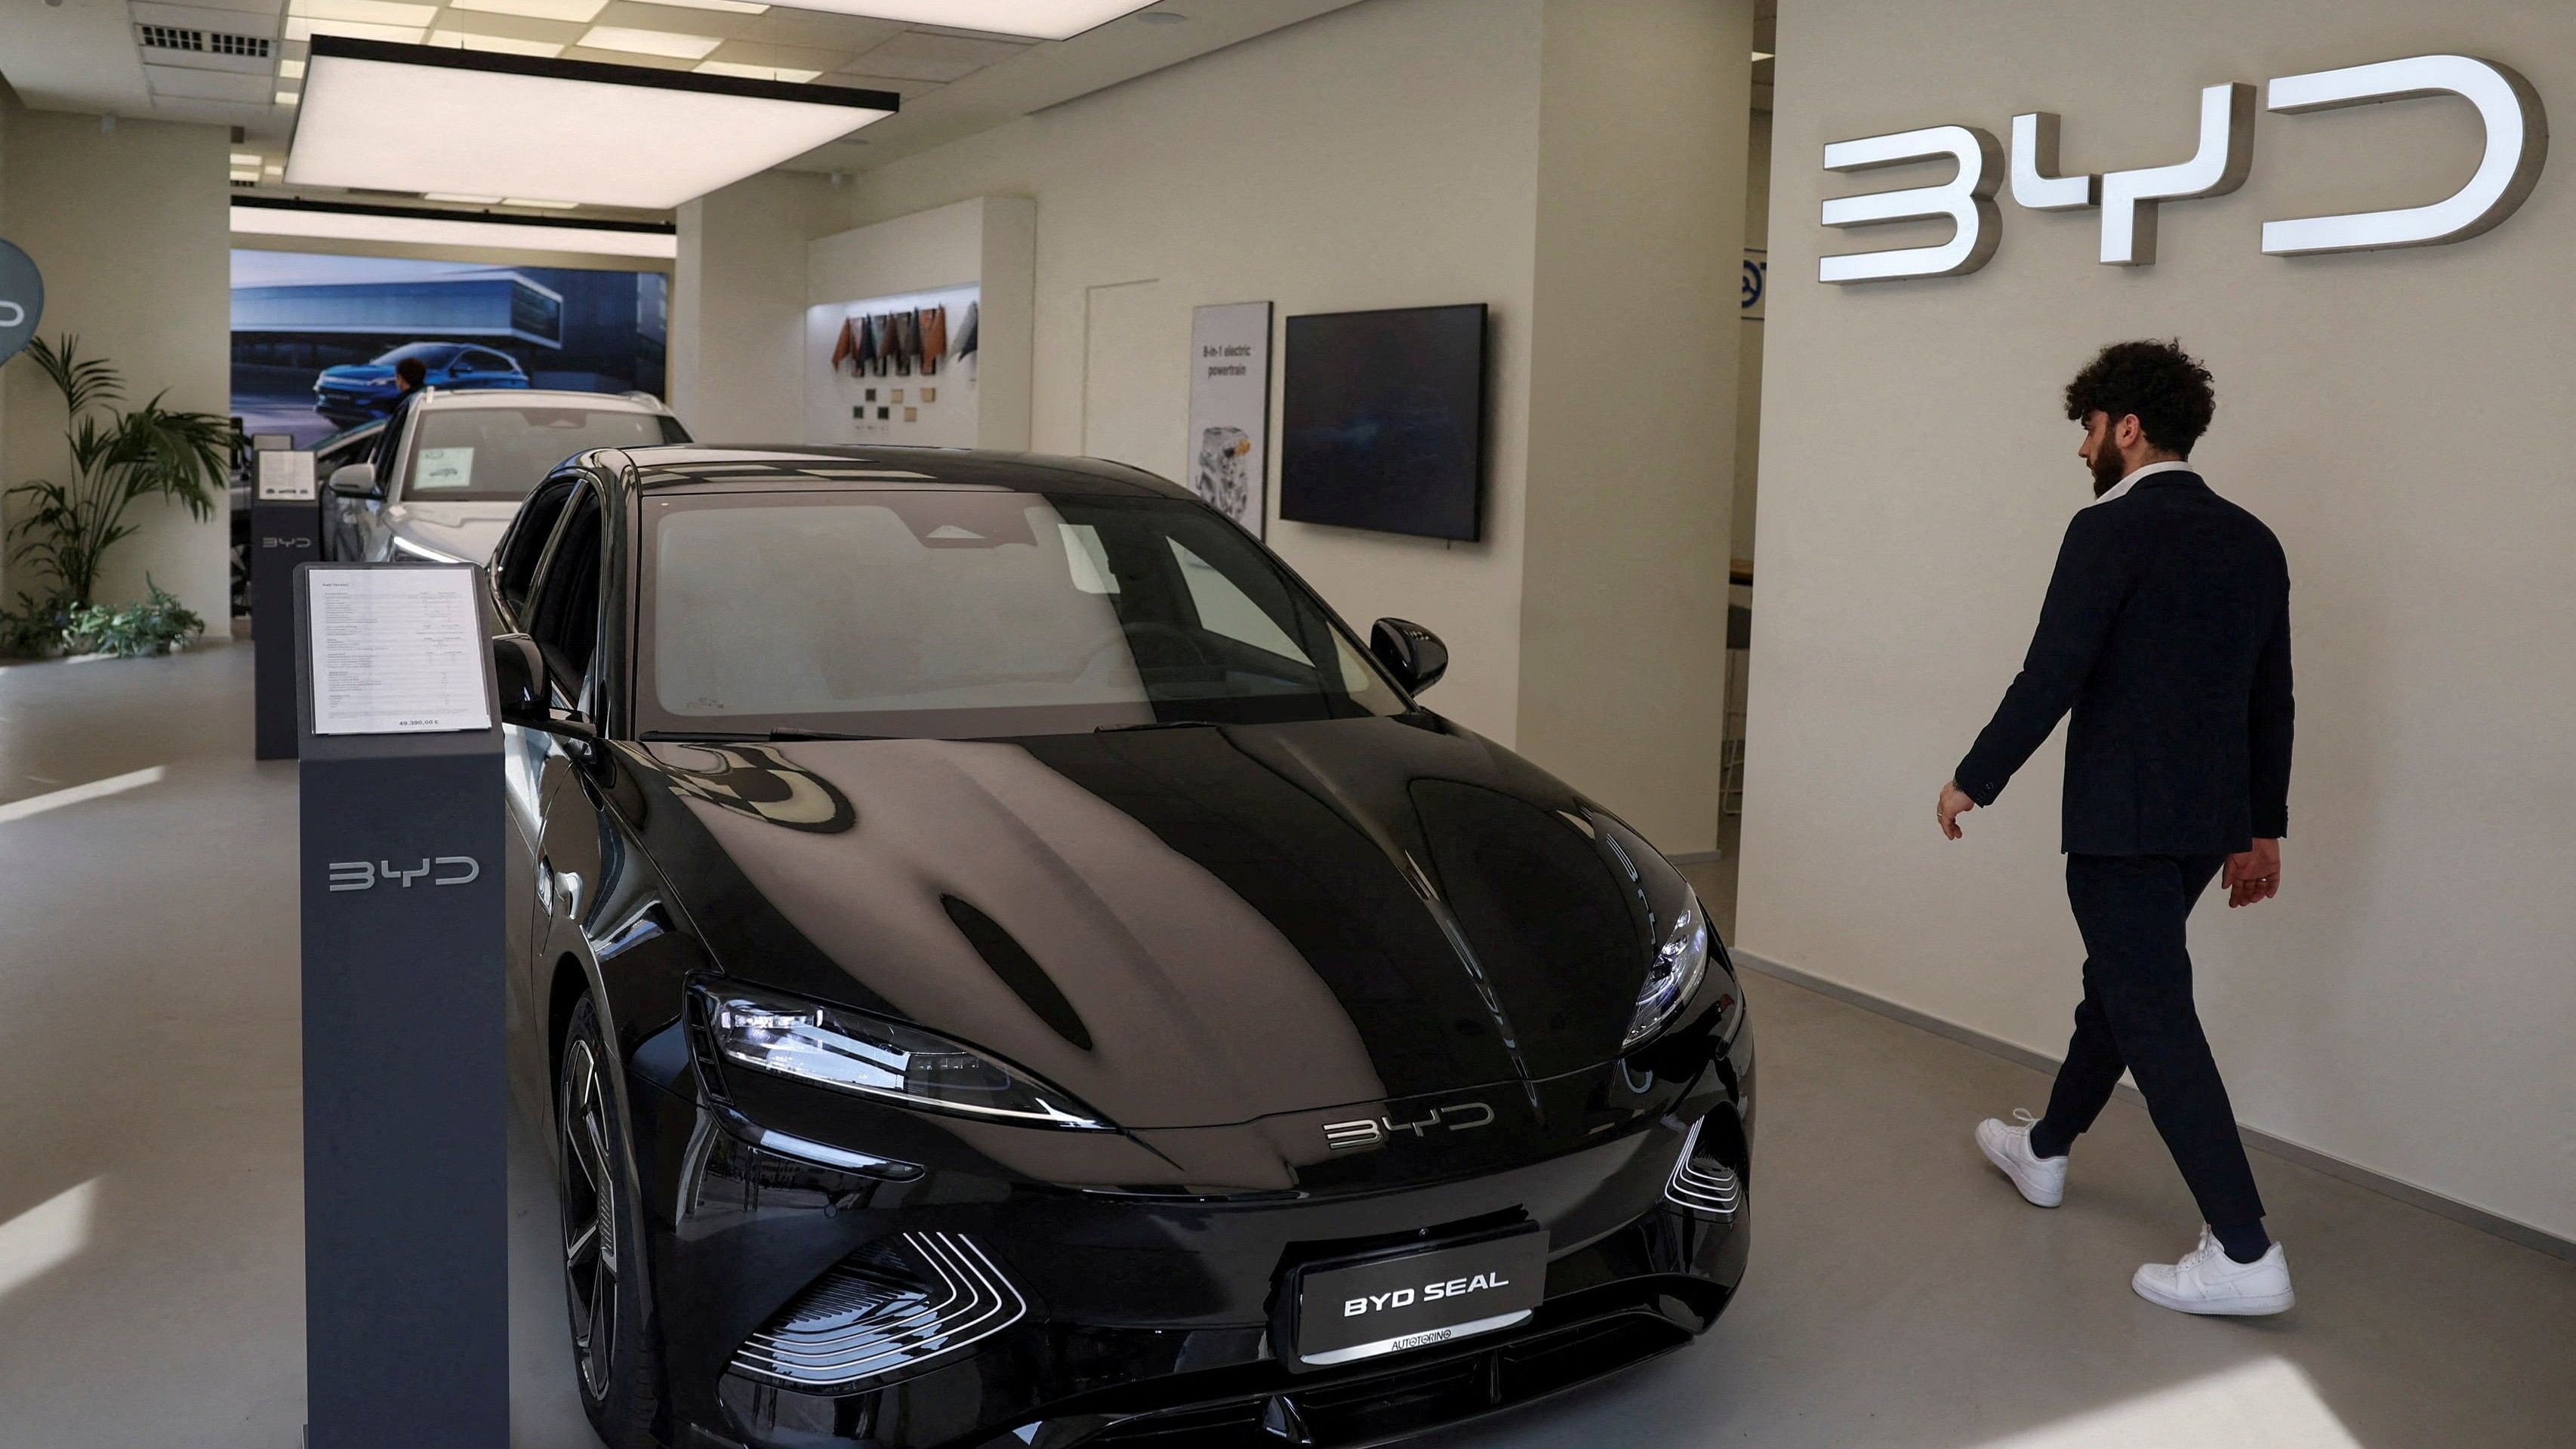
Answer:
(1357, 1310)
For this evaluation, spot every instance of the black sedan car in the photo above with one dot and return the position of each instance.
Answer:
(1010, 967)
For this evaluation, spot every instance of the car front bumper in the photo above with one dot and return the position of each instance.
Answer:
(1155, 1317)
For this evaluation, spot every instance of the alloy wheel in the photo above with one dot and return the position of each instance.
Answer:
(589, 1218)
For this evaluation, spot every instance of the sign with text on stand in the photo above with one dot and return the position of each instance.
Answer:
(1229, 444)
(405, 1102)
(285, 532)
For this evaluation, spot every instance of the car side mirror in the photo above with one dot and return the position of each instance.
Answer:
(1413, 654)
(356, 480)
(519, 671)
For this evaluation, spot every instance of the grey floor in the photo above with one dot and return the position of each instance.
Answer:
(150, 1237)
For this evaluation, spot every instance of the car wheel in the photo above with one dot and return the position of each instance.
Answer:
(614, 1358)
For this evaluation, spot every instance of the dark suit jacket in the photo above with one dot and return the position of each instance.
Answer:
(2167, 632)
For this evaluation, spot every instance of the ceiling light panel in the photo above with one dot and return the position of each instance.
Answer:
(578, 132)
(435, 230)
(1038, 19)
(300, 27)
(376, 12)
(581, 10)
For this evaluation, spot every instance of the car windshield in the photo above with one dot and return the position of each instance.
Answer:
(431, 354)
(487, 453)
(959, 614)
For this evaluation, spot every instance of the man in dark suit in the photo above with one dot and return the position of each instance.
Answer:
(2166, 632)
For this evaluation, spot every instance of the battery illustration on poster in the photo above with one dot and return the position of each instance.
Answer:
(1229, 442)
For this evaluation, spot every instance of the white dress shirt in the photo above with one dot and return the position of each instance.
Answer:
(2122, 487)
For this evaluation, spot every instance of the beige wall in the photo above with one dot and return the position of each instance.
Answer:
(738, 307)
(2399, 418)
(129, 229)
(1632, 404)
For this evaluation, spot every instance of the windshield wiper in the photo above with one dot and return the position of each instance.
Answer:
(1158, 724)
(720, 737)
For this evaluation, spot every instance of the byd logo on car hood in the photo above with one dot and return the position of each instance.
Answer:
(2517, 142)
(1363, 1132)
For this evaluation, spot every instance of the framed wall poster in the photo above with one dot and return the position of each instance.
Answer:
(1229, 442)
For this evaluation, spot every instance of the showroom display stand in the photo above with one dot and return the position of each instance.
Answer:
(405, 1103)
(285, 531)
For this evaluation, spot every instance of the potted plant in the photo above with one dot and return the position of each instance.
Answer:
(118, 457)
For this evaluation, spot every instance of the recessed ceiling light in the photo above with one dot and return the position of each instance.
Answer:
(648, 42)
(582, 10)
(290, 70)
(610, 135)
(757, 72)
(247, 173)
(462, 198)
(287, 98)
(338, 222)
(244, 158)
(496, 44)
(1761, 55)
(1042, 19)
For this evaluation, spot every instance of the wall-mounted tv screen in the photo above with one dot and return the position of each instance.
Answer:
(1383, 425)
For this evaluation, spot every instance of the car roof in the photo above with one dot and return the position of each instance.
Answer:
(699, 468)
(443, 399)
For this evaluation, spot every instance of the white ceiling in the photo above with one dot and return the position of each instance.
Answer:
(89, 56)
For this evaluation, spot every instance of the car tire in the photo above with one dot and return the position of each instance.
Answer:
(616, 1361)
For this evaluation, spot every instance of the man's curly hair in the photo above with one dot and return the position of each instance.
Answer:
(2165, 386)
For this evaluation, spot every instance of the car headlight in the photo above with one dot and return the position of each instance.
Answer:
(871, 1057)
(1672, 976)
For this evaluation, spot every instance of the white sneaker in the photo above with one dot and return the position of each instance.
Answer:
(2042, 1180)
(2209, 1281)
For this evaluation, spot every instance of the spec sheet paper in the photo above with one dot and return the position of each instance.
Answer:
(396, 651)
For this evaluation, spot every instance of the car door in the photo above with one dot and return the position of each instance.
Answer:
(516, 567)
(563, 619)
(367, 520)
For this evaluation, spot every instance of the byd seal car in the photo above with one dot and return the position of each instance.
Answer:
(354, 392)
(1007, 966)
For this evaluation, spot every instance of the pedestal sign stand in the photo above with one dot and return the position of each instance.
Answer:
(405, 1105)
(285, 530)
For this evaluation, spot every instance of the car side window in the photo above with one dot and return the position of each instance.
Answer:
(515, 566)
(565, 621)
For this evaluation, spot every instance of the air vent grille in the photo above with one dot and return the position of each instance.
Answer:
(887, 1308)
(202, 42)
(1710, 1188)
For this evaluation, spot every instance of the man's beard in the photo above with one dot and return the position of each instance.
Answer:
(2108, 470)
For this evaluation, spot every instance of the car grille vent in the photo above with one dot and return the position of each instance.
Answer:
(1709, 1188)
(202, 42)
(889, 1307)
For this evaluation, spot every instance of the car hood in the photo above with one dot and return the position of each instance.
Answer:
(465, 530)
(1181, 927)
(357, 372)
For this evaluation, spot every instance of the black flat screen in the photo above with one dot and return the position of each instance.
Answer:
(1384, 420)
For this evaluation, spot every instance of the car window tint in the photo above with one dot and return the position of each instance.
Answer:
(567, 611)
(971, 613)
(479, 452)
(515, 568)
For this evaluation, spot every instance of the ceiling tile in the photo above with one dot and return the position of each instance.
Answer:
(931, 45)
(870, 81)
(203, 17)
(581, 10)
(818, 31)
(779, 57)
(620, 57)
(670, 20)
(510, 27)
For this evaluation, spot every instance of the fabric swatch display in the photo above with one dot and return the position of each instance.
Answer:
(864, 350)
(966, 332)
(907, 343)
(881, 336)
(845, 348)
(934, 338)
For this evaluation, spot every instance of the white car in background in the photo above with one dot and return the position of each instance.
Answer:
(451, 468)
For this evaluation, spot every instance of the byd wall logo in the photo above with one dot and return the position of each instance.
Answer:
(22, 300)
(2517, 142)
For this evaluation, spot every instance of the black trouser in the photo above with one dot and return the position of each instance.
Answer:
(2137, 1013)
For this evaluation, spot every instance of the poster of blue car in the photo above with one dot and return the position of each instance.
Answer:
(317, 339)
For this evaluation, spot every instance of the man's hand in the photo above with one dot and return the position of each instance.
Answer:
(2254, 875)
(1954, 803)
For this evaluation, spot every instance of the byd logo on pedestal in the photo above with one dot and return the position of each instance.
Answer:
(22, 300)
(2517, 142)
